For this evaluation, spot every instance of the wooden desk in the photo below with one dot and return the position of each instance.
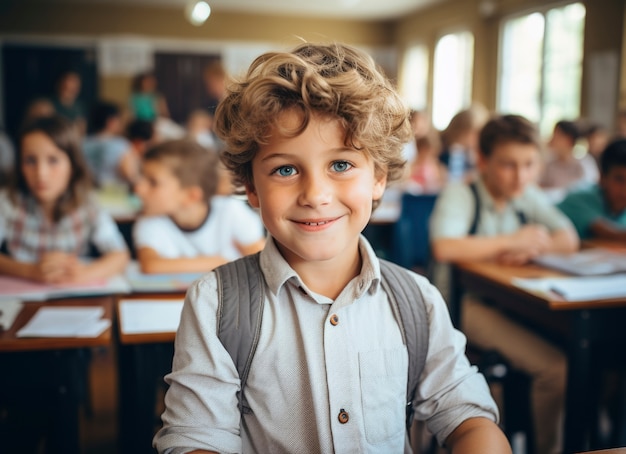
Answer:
(577, 325)
(46, 376)
(143, 361)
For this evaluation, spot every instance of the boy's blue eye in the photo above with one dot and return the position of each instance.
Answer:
(341, 166)
(286, 171)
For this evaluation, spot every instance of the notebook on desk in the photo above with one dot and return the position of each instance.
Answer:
(588, 262)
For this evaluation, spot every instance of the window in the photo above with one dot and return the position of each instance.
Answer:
(414, 85)
(541, 65)
(452, 76)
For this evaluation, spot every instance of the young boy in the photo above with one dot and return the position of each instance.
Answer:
(600, 211)
(185, 227)
(563, 171)
(514, 224)
(314, 135)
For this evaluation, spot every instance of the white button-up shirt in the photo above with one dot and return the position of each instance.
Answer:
(316, 385)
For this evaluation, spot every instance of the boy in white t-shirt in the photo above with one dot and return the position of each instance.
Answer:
(185, 227)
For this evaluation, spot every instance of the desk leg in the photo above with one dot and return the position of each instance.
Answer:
(141, 369)
(578, 408)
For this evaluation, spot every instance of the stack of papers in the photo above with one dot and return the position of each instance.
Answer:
(588, 262)
(578, 288)
(150, 316)
(66, 322)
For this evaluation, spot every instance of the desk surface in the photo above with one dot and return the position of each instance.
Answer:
(495, 274)
(145, 338)
(9, 342)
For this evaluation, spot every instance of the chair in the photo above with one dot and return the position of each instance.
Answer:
(409, 242)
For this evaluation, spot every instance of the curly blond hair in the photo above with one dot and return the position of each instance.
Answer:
(334, 81)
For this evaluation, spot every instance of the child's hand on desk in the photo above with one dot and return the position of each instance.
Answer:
(54, 267)
(531, 238)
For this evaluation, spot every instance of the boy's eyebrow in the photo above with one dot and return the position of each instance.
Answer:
(291, 155)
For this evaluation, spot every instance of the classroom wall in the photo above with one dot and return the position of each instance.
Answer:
(55, 19)
(604, 31)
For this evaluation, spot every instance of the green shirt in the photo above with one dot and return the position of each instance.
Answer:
(586, 206)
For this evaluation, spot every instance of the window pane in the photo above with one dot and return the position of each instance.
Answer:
(415, 77)
(520, 67)
(452, 78)
(563, 64)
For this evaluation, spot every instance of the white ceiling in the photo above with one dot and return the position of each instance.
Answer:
(354, 9)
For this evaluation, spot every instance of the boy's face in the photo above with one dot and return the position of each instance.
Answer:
(510, 168)
(160, 191)
(561, 143)
(614, 185)
(314, 194)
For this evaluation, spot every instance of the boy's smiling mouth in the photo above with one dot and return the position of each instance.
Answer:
(312, 223)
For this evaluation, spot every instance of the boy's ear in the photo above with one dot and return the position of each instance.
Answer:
(379, 187)
(481, 161)
(253, 198)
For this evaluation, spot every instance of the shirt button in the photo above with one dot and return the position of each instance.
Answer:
(334, 319)
(343, 416)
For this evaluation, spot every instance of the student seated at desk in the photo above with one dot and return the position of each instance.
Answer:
(185, 226)
(314, 135)
(49, 219)
(600, 211)
(502, 216)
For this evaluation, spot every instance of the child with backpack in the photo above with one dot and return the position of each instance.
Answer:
(314, 344)
(503, 216)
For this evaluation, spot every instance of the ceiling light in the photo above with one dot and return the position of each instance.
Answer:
(197, 12)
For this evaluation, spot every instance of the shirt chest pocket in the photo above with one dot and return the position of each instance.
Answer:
(383, 376)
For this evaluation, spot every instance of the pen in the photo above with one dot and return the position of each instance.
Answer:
(558, 292)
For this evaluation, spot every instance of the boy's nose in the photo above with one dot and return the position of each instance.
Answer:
(315, 191)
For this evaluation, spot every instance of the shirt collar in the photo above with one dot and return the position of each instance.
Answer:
(277, 271)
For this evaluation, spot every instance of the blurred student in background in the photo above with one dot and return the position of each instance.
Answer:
(105, 146)
(427, 175)
(185, 226)
(503, 217)
(49, 220)
(146, 103)
(66, 100)
(600, 211)
(141, 136)
(563, 170)
(460, 143)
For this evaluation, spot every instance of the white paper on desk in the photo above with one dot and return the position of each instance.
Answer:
(150, 316)
(8, 312)
(66, 322)
(578, 288)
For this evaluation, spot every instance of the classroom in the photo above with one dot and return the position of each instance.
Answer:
(138, 140)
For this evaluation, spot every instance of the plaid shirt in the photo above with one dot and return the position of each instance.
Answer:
(27, 233)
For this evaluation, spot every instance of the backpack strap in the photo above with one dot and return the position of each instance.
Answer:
(241, 298)
(474, 224)
(240, 310)
(407, 302)
(521, 216)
